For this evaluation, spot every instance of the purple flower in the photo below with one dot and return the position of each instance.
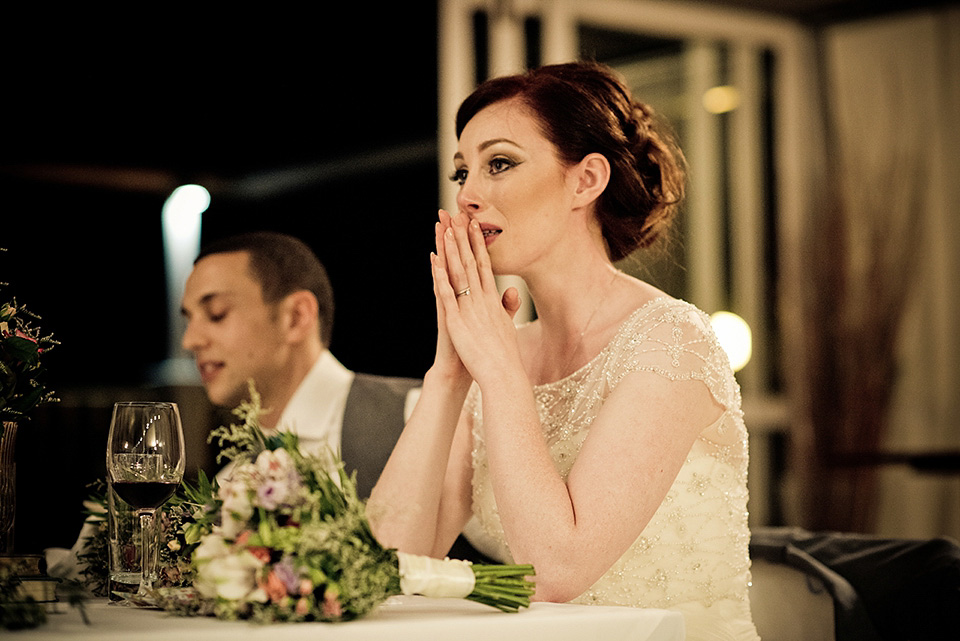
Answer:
(279, 482)
(287, 574)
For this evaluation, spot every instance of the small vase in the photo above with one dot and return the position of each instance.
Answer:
(8, 486)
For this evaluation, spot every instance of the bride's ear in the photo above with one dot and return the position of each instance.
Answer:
(592, 175)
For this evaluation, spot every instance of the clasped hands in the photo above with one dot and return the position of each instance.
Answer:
(476, 334)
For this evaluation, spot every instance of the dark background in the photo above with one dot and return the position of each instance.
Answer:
(99, 130)
(323, 125)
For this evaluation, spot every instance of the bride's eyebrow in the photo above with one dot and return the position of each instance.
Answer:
(486, 144)
(490, 143)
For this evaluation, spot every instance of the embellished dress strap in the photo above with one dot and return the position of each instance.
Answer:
(674, 339)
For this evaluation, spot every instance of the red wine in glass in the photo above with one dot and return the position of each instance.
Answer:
(145, 461)
(145, 494)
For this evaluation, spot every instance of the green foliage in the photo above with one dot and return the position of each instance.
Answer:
(17, 612)
(22, 374)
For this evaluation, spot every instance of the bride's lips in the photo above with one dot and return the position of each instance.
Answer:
(490, 233)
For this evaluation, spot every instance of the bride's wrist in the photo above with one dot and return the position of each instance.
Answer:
(451, 379)
(503, 371)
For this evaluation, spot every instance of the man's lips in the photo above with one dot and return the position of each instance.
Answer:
(209, 369)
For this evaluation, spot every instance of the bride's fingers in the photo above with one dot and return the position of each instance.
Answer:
(511, 301)
(444, 217)
(442, 224)
(447, 300)
(435, 273)
(484, 268)
(438, 240)
(454, 265)
(441, 240)
(468, 259)
(441, 283)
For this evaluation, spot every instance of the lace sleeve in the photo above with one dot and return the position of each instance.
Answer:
(674, 339)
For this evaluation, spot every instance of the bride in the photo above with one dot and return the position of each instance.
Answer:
(604, 441)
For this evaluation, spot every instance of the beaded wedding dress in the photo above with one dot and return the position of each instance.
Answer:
(693, 554)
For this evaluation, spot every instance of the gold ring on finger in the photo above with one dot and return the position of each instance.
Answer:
(463, 292)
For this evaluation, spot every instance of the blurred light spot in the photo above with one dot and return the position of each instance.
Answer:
(720, 100)
(181, 211)
(734, 336)
(181, 220)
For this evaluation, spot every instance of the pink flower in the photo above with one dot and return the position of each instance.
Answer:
(260, 552)
(306, 586)
(275, 588)
(303, 606)
(331, 604)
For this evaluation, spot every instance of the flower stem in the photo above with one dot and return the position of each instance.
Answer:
(504, 587)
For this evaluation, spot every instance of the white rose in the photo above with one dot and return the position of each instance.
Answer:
(230, 526)
(230, 577)
(211, 547)
(236, 509)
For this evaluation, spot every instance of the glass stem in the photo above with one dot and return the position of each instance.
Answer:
(148, 551)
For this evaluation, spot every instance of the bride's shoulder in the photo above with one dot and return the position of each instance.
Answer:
(653, 307)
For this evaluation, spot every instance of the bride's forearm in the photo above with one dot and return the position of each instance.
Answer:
(533, 501)
(404, 506)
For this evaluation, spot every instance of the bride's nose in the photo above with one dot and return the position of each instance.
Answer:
(468, 200)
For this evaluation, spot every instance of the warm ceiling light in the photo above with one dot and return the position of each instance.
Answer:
(734, 336)
(720, 100)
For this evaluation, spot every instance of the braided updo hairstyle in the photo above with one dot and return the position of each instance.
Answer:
(584, 108)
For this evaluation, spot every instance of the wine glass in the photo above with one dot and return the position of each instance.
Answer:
(145, 461)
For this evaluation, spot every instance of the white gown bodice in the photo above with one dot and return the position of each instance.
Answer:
(693, 554)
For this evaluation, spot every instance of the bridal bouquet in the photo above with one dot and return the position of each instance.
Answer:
(286, 539)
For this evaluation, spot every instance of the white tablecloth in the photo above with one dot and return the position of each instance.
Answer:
(399, 619)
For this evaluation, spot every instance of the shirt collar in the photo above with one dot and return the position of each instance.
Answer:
(317, 406)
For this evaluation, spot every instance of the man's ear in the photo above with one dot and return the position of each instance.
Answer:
(300, 316)
(592, 175)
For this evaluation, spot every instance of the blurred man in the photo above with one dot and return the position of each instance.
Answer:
(260, 306)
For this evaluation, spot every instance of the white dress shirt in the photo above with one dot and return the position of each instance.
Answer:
(315, 412)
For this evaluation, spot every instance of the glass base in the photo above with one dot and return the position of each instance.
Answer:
(124, 583)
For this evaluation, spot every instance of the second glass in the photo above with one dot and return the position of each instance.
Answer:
(145, 463)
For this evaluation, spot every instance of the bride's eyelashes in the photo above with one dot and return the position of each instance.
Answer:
(496, 165)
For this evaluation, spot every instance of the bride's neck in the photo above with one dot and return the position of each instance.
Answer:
(573, 311)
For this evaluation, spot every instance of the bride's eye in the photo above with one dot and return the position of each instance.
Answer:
(499, 165)
(459, 176)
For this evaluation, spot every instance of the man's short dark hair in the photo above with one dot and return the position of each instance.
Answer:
(282, 264)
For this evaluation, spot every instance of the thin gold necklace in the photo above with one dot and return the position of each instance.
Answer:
(586, 326)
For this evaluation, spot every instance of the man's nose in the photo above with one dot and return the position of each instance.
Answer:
(192, 339)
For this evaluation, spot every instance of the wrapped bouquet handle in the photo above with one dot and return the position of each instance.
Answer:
(505, 587)
(435, 577)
